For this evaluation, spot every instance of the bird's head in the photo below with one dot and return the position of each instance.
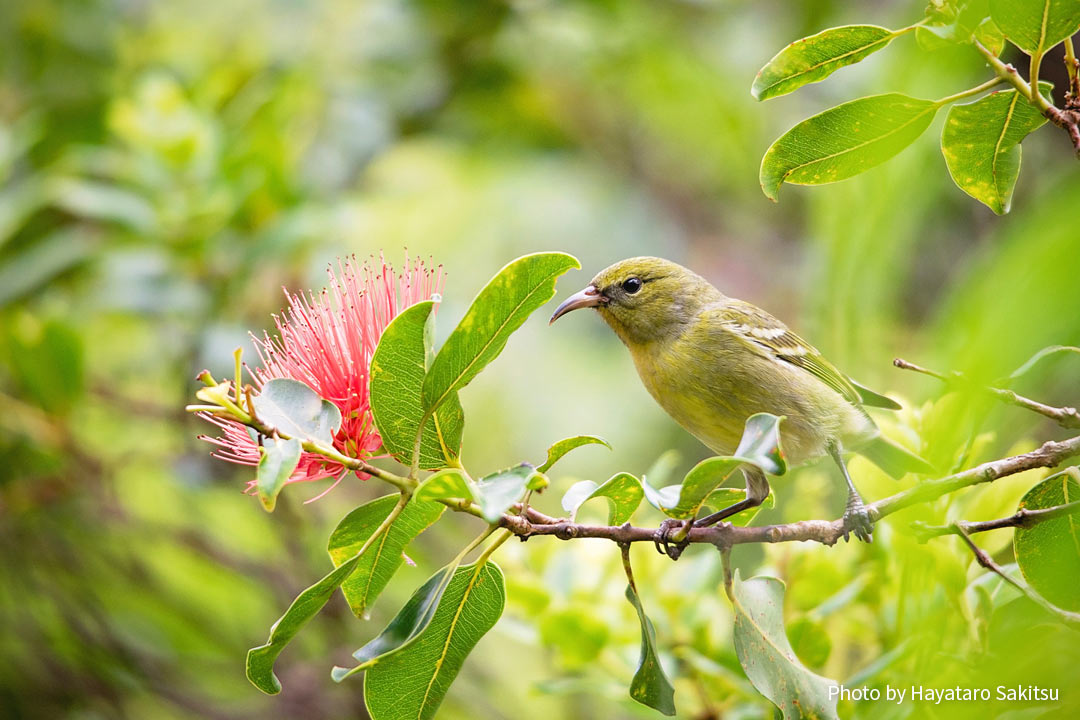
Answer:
(643, 298)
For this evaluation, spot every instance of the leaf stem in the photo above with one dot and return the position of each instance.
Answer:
(1072, 69)
(968, 93)
(1022, 518)
(1005, 72)
(1034, 95)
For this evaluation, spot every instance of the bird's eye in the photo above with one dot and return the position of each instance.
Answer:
(631, 285)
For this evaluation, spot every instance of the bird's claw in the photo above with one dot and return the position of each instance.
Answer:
(857, 520)
(672, 537)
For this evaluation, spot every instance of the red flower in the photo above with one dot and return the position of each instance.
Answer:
(326, 341)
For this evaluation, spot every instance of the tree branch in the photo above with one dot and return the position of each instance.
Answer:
(1022, 518)
(1066, 417)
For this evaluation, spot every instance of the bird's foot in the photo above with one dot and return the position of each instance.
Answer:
(672, 537)
(857, 520)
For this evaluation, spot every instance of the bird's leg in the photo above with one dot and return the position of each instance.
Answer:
(856, 516)
(674, 535)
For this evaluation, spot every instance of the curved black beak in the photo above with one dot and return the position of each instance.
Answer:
(589, 297)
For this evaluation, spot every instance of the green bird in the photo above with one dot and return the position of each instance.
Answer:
(712, 361)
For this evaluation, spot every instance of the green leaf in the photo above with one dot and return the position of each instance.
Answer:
(759, 446)
(623, 491)
(1049, 553)
(1039, 357)
(297, 411)
(412, 682)
(501, 307)
(498, 491)
(398, 367)
(810, 641)
(845, 141)
(989, 35)
(721, 498)
(279, 460)
(385, 555)
(650, 686)
(766, 655)
(1036, 25)
(575, 633)
(413, 618)
(447, 484)
(260, 660)
(556, 451)
(814, 58)
(46, 361)
(981, 144)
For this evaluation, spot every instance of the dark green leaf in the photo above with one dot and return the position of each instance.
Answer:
(47, 361)
(412, 682)
(845, 141)
(702, 479)
(383, 558)
(260, 660)
(650, 686)
(556, 451)
(501, 307)
(397, 374)
(766, 655)
(981, 144)
(814, 58)
(1036, 25)
(410, 621)
(297, 411)
(1049, 553)
(279, 460)
(623, 491)
(498, 491)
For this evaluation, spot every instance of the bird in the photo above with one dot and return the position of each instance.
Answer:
(711, 361)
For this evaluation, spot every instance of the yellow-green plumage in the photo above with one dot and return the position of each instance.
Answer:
(712, 361)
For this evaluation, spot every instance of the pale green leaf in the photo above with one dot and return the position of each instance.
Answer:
(623, 491)
(981, 144)
(297, 411)
(562, 447)
(279, 460)
(766, 655)
(497, 492)
(814, 58)
(845, 141)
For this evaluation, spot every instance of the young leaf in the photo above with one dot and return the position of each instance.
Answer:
(278, 461)
(556, 451)
(260, 660)
(398, 367)
(446, 484)
(498, 491)
(766, 655)
(814, 58)
(721, 498)
(384, 556)
(759, 446)
(412, 682)
(501, 307)
(623, 491)
(1036, 25)
(410, 621)
(1049, 553)
(650, 685)
(845, 141)
(297, 411)
(981, 144)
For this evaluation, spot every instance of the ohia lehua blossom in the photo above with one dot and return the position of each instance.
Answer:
(326, 341)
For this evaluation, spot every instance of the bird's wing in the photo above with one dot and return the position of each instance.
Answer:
(764, 333)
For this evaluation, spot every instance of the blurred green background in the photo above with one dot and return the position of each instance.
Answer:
(166, 167)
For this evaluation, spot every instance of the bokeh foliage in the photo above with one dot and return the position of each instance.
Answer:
(164, 167)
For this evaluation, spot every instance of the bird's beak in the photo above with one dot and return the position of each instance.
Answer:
(589, 297)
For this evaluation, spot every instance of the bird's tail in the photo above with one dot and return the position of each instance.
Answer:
(897, 461)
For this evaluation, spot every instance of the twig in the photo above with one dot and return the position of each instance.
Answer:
(1022, 518)
(987, 562)
(1066, 417)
